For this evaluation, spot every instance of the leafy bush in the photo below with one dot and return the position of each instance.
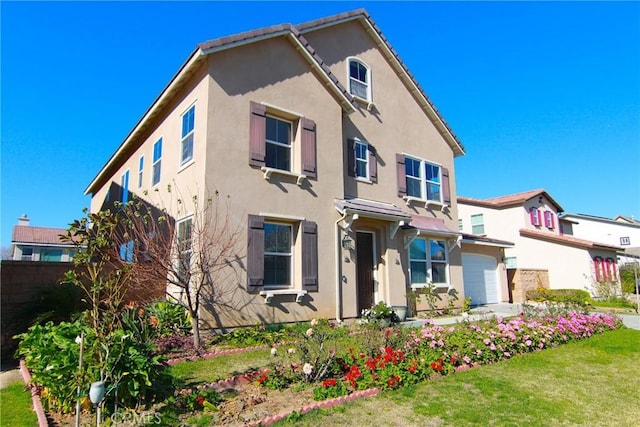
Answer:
(379, 314)
(570, 296)
(52, 353)
(168, 318)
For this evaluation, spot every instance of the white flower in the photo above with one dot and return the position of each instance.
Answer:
(307, 369)
(314, 322)
(78, 339)
(465, 315)
(291, 350)
(309, 332)
(273, 351)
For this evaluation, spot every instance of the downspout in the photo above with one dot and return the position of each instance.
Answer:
(339, 269)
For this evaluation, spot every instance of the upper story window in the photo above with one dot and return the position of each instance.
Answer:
(279, 137)
(27, 254)
(282, 141)
(549, 220)
(124, 187)
(359, 79)
(157, 162)
(428, 262)
(423, 179)
(188, 124)
(140, 170)
(535, 217)
(362, 161)
(477, 224)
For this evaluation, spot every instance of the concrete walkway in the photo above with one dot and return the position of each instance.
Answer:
(504, 310)
(9, 377)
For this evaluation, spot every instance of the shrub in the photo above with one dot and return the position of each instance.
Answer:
(570, 296)
(52, 353)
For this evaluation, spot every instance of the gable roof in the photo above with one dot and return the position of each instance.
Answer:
(622, 223)
(396, 63)
(567, 240)
(38, 235)
(295, 35)
(510, 200)
(626, 219)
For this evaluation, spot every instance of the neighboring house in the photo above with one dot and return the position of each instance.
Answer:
(542, 256)
(39, 243)
(621, 231)
(327, 145)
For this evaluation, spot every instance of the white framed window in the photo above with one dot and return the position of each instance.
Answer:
(140, 171)
(279, 137)
(27, 254)
(477, 224)
(428, 261)
(535, 217)
(278, 254)
(124, 187)
(359, 79)
(549, 220)
(423, 179)
(361, 150)
(184, 241)
(188, 125)
(157, 162)
(126, 251)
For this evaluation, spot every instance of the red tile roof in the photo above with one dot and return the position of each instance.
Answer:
(510, 199)
(39, 235)
(567, 240)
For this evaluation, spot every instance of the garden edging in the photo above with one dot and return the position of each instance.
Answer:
(35, 396)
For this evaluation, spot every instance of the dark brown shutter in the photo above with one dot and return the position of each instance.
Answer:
(309, 158)
(257, 134)
(401, 175)
(309, 256)
(446, 190)
(351, 158)
(255, 253)
(373, 164)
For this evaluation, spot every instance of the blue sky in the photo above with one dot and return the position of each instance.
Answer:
(542, 95)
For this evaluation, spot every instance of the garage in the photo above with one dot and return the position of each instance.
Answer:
(480, 278)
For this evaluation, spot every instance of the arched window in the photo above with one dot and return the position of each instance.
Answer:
(359, 79)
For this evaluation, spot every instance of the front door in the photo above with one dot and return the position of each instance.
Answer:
(364, 264)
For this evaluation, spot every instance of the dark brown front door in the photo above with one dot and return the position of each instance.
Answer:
(364, 264)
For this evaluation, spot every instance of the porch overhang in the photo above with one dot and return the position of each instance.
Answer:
(352, 209)
(426, 226)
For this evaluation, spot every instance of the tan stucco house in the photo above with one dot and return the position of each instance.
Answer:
(542, 255)
(32, 243)
(339, 168)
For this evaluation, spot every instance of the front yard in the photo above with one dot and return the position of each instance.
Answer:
(423, 376)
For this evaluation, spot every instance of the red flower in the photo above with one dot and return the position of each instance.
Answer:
(262, 378)
(434, 365)
(453, 360)
(200, 400)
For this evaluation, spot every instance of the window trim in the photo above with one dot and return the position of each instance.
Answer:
(140, 171)
(429, 263)
(180, 223)
(291, 255)
(290, 146)
(481, 224)
(183, 138)
(124, 187)
(156, 163)
(423, 198)
(368, 83)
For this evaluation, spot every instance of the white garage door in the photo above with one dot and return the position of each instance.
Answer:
(480, 279)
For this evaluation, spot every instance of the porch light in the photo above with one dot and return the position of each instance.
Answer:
(346, 242)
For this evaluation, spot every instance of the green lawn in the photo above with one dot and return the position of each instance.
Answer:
(15, 406)
(594, 382)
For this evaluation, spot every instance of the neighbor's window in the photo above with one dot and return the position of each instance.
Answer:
(359, 79)
(188, 124)
(157, 161)
(534, 215)
(278, 149)
(126, 251)
(277, 254)
(549, 220)
(477, 224)
(27, 254)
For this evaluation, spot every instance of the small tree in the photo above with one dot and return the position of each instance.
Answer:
(191, 255)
